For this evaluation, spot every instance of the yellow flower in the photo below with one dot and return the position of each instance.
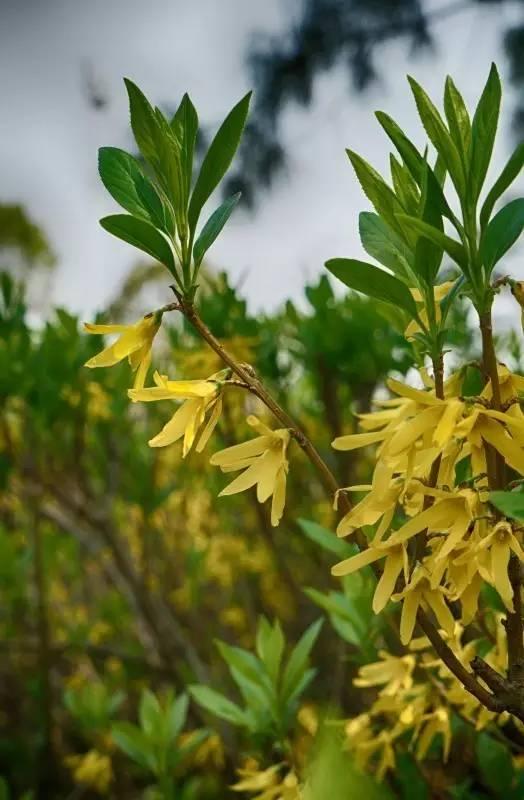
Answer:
(420, 593)
(501, 543)
(268, 784)
(264, 463)
(394, 673)
(396, 561)
(189, 421)
(432, 724)
(135, 343)
(93, 769)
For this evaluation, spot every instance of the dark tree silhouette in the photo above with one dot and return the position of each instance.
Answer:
(330, 33)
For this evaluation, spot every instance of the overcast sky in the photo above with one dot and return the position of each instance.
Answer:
(50, 134)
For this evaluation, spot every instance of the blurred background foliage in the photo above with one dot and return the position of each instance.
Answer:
(120, 569)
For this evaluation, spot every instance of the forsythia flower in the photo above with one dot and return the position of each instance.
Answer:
(268, 784)
(264, 463)
(93, 769)
(460, 543)
(201, 398)
(135, 343)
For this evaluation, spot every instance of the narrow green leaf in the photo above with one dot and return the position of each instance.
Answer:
(219, 705)
(176, 716)
(270, 646)
(458, 120)
(428, 253)
(414, 161)
(326, 539)
(218, 158)
(376, 190)
(140, 234)
(212, 228)
(149, 712)
(298, 660)
(512, 170)
(373, 282)
(483, 131)
(404, 185)
(453, 248)
(439, 136)
(144, 123)
(502, 232)
(123, 178)
(134, 744)
(185, 127)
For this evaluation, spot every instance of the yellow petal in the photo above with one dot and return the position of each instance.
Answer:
(211, 425)
(446, 426)
(494, 434)
(354, 440)
(438, 515)
(90, 327)
(499, 572)
(410, 431)
(269, 464)
(174, 429)
(438, 605)
(238, 452)
(355, 563)
(419, 395)
(409, 615)
(244, 481)
(279, 497)
(141, 373)
(386, 584)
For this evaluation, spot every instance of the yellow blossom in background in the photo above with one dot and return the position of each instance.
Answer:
(264, 463)
(267, 784)
(92, 770)
(134, 343)
(439, 293)
(202, 398)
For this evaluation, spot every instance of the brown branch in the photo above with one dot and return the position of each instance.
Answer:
(248, 376)
(497, 480)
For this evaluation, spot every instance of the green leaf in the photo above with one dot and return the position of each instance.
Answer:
(245, 663)
(328, 540)
(149, 712)
(383, 244)
(439, 136)
(495, 765)
(140, 234)
(453, 248)
(510, 503)
(185, 127)
(218, 158)
(483, 131)
(219, 705)
(373, 282)
(512, 170)
(404, 185)
(123, 178)
(298, 660)
(428, 253)
(414, 161)
(176, 716)
(134, 744)
(144, 124)
(212, 228)
(376, 190)
(502, 232)
(458, 119)
(270, 646)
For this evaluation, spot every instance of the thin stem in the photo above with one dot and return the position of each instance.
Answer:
(247, 375)
(497, 480)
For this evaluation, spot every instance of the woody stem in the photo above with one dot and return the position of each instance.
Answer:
(248, 377)
(497, 480)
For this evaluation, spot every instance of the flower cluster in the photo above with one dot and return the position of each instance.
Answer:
(438, 538)
(263, 459)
